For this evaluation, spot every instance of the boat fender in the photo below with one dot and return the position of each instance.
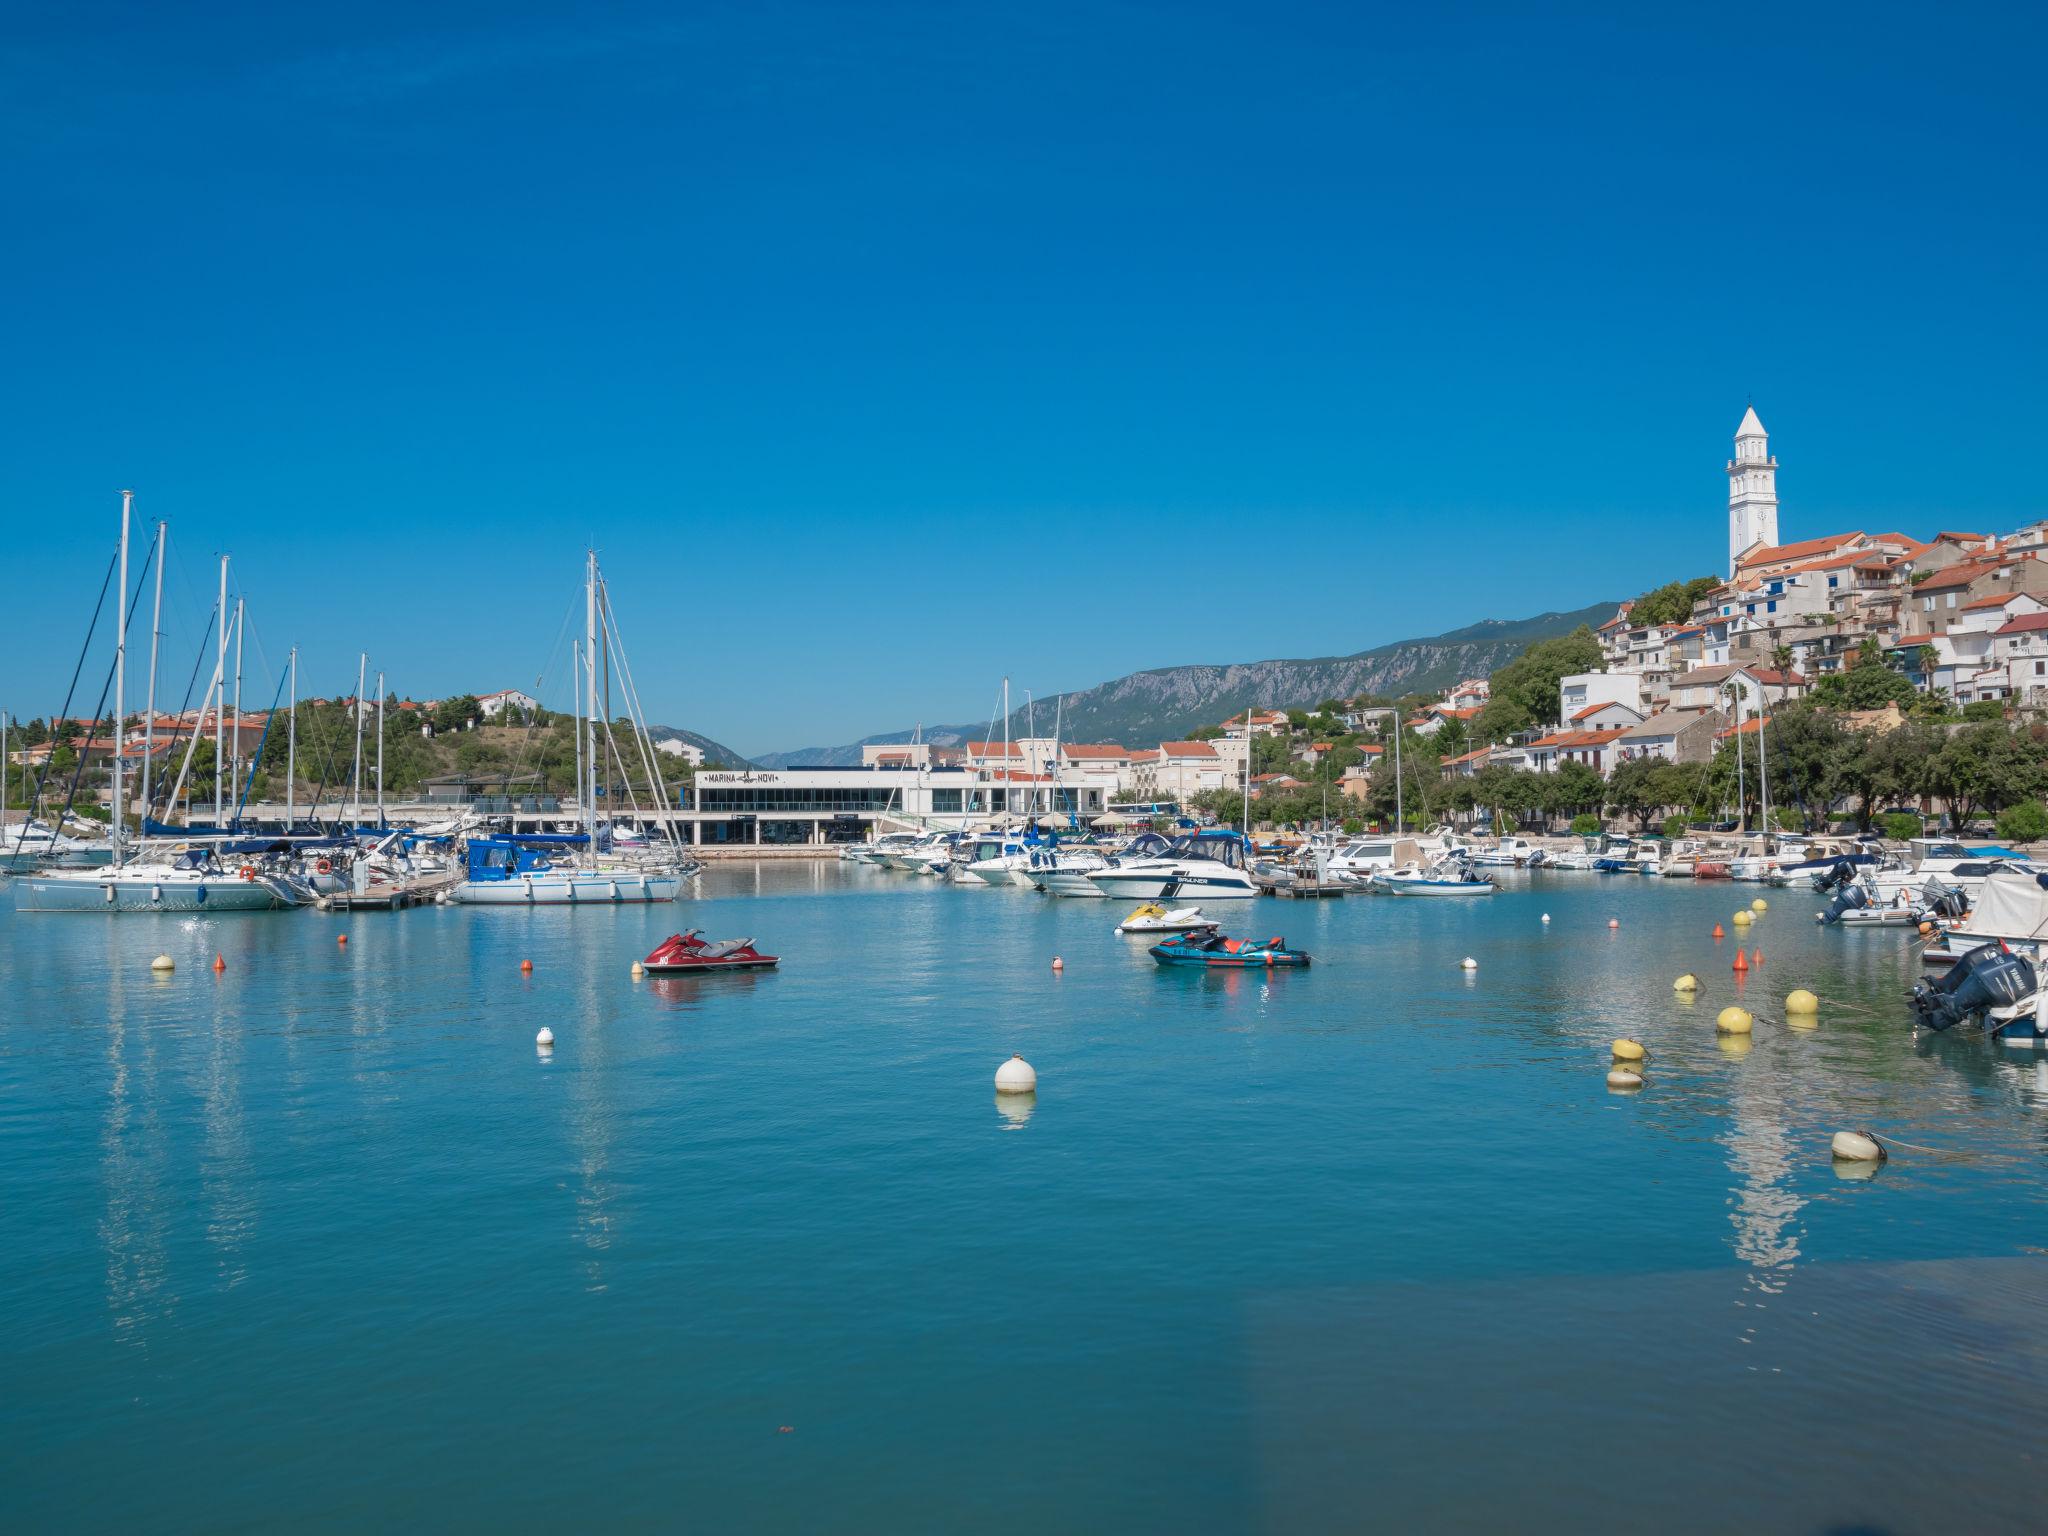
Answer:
(156, 892)
(1628, 1050)
(110, 892)
(1857, 1147)
(1734, 1021)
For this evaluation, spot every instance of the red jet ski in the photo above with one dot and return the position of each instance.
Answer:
(681, 952)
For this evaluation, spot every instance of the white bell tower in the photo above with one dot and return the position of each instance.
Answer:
(1752, 489)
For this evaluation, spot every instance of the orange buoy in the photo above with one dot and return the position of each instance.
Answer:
(1718, 933)
(218, 963)
(525, 966)
(1741, 964)
(341, 939)
(1058, 964)
(1614, 922)
(1756, 957)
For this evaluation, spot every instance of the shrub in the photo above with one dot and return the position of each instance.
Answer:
(1353, 826)
(1585, 824)
(1674, 826)
(2026, 822)
(1900, 825)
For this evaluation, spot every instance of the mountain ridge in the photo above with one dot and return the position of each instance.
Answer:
(1141, 709)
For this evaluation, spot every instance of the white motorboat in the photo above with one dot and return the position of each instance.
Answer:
(1208, 865)
(1153, 918)
(1444, 877)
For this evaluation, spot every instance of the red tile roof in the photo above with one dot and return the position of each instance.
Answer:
(2026, 623)
(1082, 749)
(1961, 574)
(994, 749)
(1196, 749)
(1994, 600)
(1803, 549)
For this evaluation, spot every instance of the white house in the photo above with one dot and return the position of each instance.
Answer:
(492, 706)
(675, 746)
(1578, 689)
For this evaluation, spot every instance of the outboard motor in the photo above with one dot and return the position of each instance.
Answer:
(1989, 976)
(1850, 898)
(1834, 878)
(1944, 900)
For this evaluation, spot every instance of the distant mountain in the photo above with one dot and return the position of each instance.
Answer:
(1166, 703)
(715, 752)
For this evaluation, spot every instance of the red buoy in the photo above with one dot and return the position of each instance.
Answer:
(1741, 964)
(526, 966)
(341, 939)
(1718, 933)
(219, 964)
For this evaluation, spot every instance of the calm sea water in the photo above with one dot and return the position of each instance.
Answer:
(322, 1242)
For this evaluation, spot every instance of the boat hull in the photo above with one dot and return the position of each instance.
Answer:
(560, 891)
(1436, 887)
(227, 894)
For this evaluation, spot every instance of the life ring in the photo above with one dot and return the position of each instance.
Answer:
(248, 871)
(324, 867)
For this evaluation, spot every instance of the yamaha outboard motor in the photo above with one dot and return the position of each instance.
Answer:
(1850, 898)
(1834, 878)
(1989, 976)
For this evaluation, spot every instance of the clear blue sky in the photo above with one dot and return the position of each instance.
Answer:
(831, 324)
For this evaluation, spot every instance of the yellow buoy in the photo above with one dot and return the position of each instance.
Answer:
(1801, 1001)
(1743, 919)
(1620, 1078)
(1759, 905)
(1734, 1021)
(1628, 1050)
(1686, 983)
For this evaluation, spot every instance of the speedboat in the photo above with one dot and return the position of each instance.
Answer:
(1208, 947)
(2011, 909)
(681, 953)
(1509, 853)
(1208, 865)
(1446, 877)
(1360, 859)
(1153, 918)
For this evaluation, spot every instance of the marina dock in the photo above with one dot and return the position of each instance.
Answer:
(391, 895)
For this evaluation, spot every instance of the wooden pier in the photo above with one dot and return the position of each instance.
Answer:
(392, 895)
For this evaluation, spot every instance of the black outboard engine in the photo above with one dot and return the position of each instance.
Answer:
(1850, 898)
(1834, 878)
(1989, 976)
(1944, 900)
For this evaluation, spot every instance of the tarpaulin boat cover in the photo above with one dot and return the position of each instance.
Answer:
(2011, 905)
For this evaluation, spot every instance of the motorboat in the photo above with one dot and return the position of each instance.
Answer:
(1681, 859)
(191, 880)
(2011, 909)
(1361, 858)
(533, 870)
(684, 953)
(1615, 854)
(1209, 947)
(1153, 918)
(1445, 877)
(1207, 865)
(1067, 862)
(34, 845)
(1509, 853)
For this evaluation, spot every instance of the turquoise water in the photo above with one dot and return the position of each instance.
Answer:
(322, 1241)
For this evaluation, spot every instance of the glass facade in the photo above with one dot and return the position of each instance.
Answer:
(804, 799)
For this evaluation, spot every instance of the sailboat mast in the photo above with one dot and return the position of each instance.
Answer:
(291, 750)
(156, 634)
(362, 671)
(380, 751)
(590, 692)
(236, 777)
(120, 666)
(220, 668)
(1007, 783)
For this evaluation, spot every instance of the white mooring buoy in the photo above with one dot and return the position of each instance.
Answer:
(1468, 964)
(163, 963)
(1857, 1147)
(1016, 1076)
(545, 1039)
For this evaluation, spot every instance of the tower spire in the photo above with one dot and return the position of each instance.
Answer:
(1752, 489)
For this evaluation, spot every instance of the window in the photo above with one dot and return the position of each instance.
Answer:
(1770, 608)
(1927, 604)
(1951, 601)
(1833, 582)
(2041, 669)
(945, 801)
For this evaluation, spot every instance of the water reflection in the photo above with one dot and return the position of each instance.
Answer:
(1015, 1108)
(694, 992)
(226, 1181)
(135, 1224)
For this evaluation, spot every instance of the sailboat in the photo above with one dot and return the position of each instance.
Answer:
(563, 869)
(195, 880)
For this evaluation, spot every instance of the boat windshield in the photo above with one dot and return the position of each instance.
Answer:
(1224, 850)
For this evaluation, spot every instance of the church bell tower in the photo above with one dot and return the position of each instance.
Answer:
(1752, 489)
